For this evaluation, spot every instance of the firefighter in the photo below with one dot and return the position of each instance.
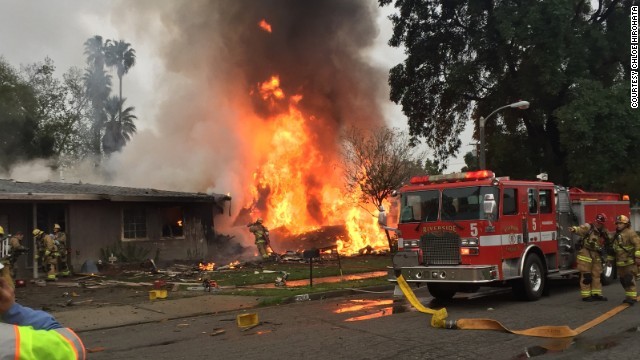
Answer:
(261, 234)
(626, 245)
(49, 252)
(16, 249)
(5, 272)
(60, 239)
(595, 241)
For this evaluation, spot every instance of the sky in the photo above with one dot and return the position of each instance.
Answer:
(32, 30)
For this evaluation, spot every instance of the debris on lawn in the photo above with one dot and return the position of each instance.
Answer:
(282, 280)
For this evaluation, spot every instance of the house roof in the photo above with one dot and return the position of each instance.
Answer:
(19, 190)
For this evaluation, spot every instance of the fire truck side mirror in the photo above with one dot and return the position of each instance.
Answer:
(489, 205)
(382, 216)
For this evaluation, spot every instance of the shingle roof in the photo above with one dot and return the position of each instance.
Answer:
(18, 190)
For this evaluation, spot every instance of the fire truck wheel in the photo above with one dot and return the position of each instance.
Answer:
(608, 274)
(532, 284)
(441, 291)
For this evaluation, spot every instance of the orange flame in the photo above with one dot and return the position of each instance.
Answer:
(206, 266)
(264, 25)
(300, 180)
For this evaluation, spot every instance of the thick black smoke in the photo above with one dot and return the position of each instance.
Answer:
(215, 54)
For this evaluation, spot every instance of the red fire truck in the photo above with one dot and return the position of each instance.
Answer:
(457, 232)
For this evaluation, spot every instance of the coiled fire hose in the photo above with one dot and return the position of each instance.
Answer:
(439, 320)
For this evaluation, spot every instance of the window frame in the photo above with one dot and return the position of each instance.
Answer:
(142, 209)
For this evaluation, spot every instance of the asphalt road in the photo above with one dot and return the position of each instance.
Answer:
(374, 326)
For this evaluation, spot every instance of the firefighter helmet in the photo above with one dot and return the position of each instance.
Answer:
(56, 226)
(1, 230)
(621, 219)
(601, 218)
(259, 221)
(37, 232)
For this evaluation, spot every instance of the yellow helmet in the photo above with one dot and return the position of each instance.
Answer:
(259, 221)
(37, 232)
(56, 226)
(1, 230)
(621, 219)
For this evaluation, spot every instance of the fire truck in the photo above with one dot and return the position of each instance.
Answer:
(460, 231)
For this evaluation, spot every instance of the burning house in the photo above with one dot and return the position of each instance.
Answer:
(96, 218)
(256, 103)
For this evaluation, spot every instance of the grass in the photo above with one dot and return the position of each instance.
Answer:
(350, 265)
(325, 268)
(284, 294)
(235, 280)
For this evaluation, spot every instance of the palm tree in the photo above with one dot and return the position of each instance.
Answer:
(120, 55)
(97, 86)
(94, 51)
(119, 126)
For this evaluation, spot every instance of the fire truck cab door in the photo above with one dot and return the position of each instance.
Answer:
(533, 216)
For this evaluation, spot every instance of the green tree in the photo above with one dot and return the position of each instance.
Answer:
(61, 110)
(471, 57)
(120, 125)
(122, 56)
(22, 138)
(471, 162)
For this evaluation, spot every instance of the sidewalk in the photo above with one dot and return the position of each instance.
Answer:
(122, 315)
(112, 316)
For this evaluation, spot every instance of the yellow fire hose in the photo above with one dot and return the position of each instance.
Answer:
(439, 320)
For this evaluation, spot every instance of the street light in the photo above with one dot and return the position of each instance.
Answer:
(519, 105)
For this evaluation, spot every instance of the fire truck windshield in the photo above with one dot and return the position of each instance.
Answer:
(464, 203)
(420, 206)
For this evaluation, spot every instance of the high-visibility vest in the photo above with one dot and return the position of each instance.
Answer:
(27, 343)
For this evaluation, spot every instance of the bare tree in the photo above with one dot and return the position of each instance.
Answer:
(379, 161)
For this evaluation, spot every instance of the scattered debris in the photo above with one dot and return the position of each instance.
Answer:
(282, 280)
(217, 331)
(366, 250)
(247, 320)
(302, 297)
(250, 327)
(207, 285)
(96, 349)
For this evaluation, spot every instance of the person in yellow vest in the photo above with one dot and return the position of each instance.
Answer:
(49, 251)
(595, 240)
(626, 245)
(28, 334)
(60, 239)
(261, 233)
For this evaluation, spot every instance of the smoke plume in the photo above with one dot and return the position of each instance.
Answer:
(215, 55)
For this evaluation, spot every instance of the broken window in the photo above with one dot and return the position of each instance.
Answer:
(134, 221)
(172, 222)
